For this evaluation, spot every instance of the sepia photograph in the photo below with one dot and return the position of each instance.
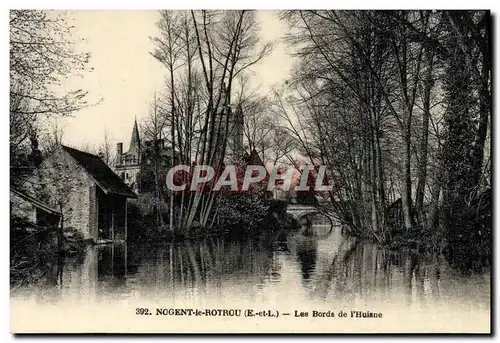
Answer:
(250, 171)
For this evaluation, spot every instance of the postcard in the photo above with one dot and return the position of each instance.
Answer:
(250, 171)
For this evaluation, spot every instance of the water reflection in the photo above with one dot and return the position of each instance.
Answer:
(306, 254)
(337, 269)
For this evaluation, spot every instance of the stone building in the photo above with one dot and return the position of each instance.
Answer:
(89, 196)
(135, 167)
(128, 165)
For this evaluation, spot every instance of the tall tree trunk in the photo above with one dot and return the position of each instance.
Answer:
(373, 181)
(380, 179)
(406, 194)
(158, 197)
(484, 113)
(422, 167)
(435, 194)
(172, 110)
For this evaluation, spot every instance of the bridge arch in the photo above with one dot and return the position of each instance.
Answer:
(305, 215)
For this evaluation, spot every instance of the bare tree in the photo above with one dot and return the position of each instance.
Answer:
(203, 52)
(41, 55)
(152, 129)
(283, 144)
(55, 136)
(385, 98)
(105, 149)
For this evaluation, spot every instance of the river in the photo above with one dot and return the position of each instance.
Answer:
(294, 273)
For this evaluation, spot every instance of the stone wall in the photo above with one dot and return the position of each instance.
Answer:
(93, 212)
(64, 185)
(130, 175)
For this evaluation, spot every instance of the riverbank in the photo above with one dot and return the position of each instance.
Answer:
(274, 221)
(34, 250)
(470, 251)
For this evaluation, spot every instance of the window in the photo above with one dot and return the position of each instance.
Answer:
(122, 175)
(126, 176)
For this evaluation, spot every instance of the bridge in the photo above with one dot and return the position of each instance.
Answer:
(309, 215)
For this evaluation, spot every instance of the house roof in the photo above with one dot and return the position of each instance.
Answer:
(34, 202)
(254, 159)
(104, 177)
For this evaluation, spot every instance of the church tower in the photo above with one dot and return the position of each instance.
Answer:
(235, 135)
(128, 165)
(135, 142)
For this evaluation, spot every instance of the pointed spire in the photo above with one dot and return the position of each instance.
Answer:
(134, 140)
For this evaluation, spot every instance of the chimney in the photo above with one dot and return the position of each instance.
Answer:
(119, 153)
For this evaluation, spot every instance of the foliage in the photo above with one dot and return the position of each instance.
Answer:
(142, 215)
(243, 213)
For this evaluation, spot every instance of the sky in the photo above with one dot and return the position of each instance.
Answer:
(125, 76)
